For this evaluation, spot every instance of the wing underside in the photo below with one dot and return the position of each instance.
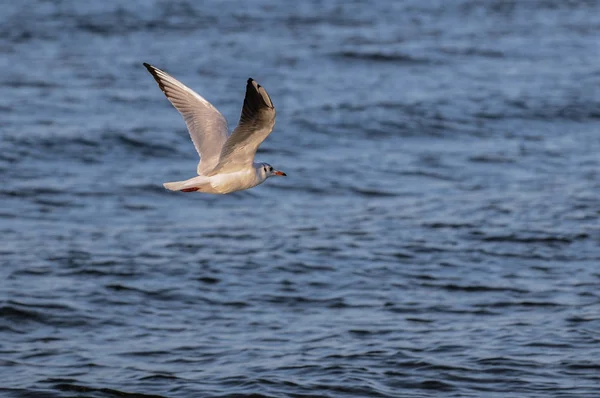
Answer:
(206, 125)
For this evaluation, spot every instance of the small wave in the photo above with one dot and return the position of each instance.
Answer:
(156, 189)
(582, 319)
(332, 19)
(568, 107)
(451, 225)
(400, 255)
(545, 344)
(159, 377)
(188, 247)
(357, 389)
(582, 365)
(47, 313)
(476, 52)
(13, 313)
(428, 174)
(510, 362)
(252, 395)
(26, 393)
(18, 83)
(167, 17)
(490, 158)
(521, 303)
(381, 57)
(78, 388)
(373, 193)
(297, 267)
(145, 146)
(31, 192)
(419, 320)
(165, 294)
(43, 305)
(148, 353)
(56, 203)
(208, 280)
(549, 239)
(32, 270)
(369, 333)
(137, 207)
(301, 301)
(511, 254)
(474, 288)
(435, 385)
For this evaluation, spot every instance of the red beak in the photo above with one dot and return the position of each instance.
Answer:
(279, 173)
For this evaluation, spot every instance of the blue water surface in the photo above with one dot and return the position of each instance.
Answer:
(437, 235)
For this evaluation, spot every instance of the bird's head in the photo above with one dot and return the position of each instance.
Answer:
(266, 170)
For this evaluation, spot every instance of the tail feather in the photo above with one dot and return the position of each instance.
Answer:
(199, 183)
(175, 186)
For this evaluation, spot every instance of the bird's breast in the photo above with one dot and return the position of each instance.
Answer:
(237, 181)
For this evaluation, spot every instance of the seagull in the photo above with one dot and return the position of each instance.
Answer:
(226, 160)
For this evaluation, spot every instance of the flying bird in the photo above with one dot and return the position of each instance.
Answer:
(226, 160)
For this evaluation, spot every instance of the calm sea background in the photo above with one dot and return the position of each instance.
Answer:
(437, 235)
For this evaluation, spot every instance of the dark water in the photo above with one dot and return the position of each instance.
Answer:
(437, 235)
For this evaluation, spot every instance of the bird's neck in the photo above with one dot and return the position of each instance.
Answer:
(260, 173)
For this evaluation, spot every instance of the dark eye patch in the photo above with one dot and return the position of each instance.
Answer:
(271, 169)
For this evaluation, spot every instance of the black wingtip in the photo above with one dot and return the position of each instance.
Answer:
(153, 71)
(251, 80)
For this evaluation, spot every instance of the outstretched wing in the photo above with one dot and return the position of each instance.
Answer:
(256, 122)
(207, 126)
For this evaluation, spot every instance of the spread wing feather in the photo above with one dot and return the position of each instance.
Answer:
(206, 125)
(256, 123)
